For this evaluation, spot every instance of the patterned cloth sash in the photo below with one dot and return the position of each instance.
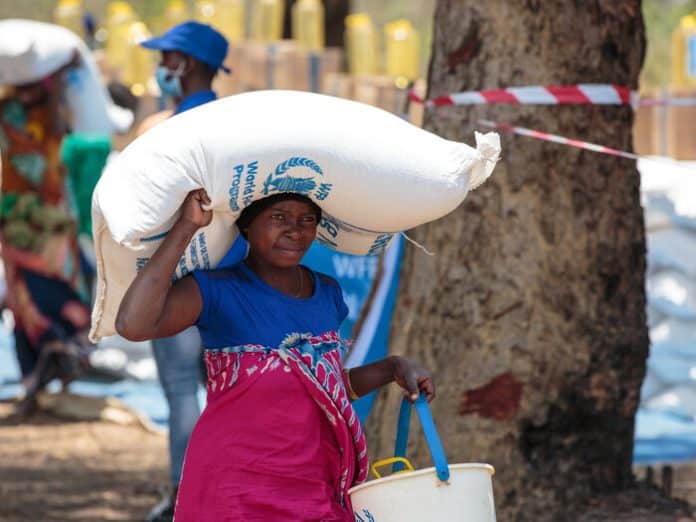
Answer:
(316, 360)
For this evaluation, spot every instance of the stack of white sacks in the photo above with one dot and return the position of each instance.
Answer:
(30, 51)
(669, 199)
(373, 174)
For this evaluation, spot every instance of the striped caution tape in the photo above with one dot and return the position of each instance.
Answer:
(581, 94)
(586, 145)
(555, 138)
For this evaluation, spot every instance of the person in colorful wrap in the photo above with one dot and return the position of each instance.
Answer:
(46, 290)
(279, 438)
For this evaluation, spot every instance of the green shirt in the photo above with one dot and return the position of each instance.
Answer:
(84, 157)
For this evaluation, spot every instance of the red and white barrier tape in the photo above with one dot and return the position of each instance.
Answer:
(555, 138)
(586, 93)
(667, 102)
(586, 145)
(581, 94)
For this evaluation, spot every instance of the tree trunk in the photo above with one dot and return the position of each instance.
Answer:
(531, 314)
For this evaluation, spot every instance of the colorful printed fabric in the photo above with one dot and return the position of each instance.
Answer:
(37, 232)
(31, 152)
(233, 375)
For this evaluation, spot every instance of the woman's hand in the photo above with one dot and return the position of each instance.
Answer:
(413, 378)
(192, 212)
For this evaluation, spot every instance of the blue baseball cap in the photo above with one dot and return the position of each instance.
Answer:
(197, 40)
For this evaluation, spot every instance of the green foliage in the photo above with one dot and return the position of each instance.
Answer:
(661, 19)
(43, 9)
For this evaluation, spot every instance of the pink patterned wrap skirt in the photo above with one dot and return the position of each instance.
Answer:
(278, 439)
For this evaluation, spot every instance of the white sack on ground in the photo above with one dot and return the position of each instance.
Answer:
(668, 394)
(372, 173)
(30, 51)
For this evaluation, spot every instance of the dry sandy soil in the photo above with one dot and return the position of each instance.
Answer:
(52, 469)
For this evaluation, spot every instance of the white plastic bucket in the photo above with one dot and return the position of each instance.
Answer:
(444, 493)
(421, 496)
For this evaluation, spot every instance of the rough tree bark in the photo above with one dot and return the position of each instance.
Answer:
(532, 312)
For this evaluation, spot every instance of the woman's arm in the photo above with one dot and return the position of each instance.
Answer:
(153, 307)
(408, 374)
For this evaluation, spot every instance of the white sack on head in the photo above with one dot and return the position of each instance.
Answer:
(30, 51)
(373, 174)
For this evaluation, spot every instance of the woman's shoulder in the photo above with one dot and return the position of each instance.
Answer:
(323, 278)
(228, 274)
(327, 283)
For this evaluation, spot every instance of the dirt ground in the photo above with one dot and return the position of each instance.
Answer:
(52, 469)
(57, 470)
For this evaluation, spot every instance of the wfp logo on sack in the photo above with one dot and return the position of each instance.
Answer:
(74, 78)
(283, 178)
(280, 181)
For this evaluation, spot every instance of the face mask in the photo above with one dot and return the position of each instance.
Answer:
(169, 81)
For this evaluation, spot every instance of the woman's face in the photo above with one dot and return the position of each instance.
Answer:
(282, 233)
(32, 94)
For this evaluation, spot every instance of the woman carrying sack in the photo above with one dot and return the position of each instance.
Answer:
(46, 289)
(279, 439)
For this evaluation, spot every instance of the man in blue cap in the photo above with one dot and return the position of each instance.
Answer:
(192, 54)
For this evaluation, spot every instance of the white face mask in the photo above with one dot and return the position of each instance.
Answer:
(170, 81)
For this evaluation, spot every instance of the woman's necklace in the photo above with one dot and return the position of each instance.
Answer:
(299, 293)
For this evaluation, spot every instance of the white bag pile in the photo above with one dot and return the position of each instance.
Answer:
(30, 51)
(670, 216)
(372, 173)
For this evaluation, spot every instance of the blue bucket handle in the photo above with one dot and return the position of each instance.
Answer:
(434, 445)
